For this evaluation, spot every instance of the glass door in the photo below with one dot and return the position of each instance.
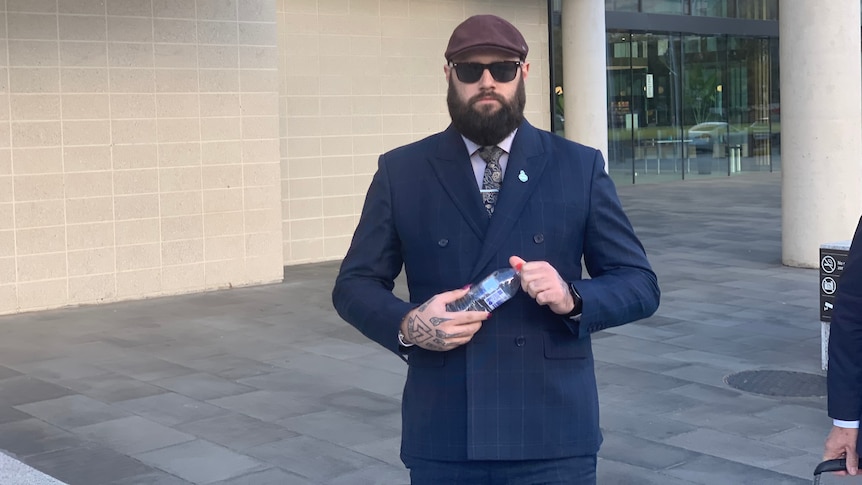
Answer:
(705, 113)
(749, 63)
(644, 133)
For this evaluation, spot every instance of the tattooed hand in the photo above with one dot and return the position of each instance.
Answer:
(431, 327)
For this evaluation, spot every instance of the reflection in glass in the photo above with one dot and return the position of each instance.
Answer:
(671, 7)
(741, 9)
(690, 106)
(684, 106)
(622, 5)
(709, 8)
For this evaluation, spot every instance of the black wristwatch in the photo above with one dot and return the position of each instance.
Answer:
(579, 304)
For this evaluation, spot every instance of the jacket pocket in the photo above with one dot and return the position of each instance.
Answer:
(426, 358)
(561, 345)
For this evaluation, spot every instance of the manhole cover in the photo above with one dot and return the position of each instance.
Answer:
(778, 383)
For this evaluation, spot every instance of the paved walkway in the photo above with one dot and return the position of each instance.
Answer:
(267, 385)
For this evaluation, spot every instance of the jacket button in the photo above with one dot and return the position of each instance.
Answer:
(443, 243)
(520, 341)
(539, 238)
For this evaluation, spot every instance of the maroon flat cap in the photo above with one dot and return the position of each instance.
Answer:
(486, 32)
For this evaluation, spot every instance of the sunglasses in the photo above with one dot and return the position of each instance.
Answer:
(470, 72)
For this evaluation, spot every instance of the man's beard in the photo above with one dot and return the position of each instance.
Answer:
(484, 128)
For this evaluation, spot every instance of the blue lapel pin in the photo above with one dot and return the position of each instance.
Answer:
(523, 176)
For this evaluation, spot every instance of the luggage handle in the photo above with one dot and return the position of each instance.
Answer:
(836, 465)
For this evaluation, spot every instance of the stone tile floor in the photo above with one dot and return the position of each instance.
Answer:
(266, 385)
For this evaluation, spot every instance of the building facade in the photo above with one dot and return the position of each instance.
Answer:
(158, 147)
(692, 88)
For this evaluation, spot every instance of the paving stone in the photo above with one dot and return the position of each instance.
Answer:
(386, 450)
(155, 477)
(236, 431)
(61, 369)
(733, 447)
(803, 467)
(295, 380)
(270, 405)
(32, 436)
(231, 367)
(640, 379)
(643, 403)
(359, 402)
(381, 474)
(634, 360)
(385, 361)
(132, 435)
(317, 460)
(87, 463)
(202, 386)
(650, 454)
(6, 373)
(14, 472)
(25, 389)
(270, 476)
(796, 415)
(348, 374)
(611, 472)
(800, 438)
(338, 428)
(171, 409)
(146, 368)
(200, 462)
(8, 414)
(711, 470)
(339, 349)
(620, 418)
(72, 411)
(112, 388)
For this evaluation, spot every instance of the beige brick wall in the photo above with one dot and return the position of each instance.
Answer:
(139, 149)
(155, 147)
(358, 77)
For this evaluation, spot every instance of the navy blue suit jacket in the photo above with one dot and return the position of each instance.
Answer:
(844, 375)
(524, 387)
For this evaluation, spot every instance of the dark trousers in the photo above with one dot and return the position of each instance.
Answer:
(576, 470)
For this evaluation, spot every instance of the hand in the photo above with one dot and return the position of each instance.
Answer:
(431, 327)
(841, 443)
(542, 282)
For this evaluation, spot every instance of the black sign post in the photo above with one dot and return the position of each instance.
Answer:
(833, 256)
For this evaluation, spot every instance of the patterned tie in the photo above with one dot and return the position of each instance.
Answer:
(493, 176)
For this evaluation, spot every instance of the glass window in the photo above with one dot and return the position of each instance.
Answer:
(757, 9)
(709, 8)
(671, 7)
(686, 106)
(622, 5)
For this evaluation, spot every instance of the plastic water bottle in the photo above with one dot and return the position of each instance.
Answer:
(488, 294)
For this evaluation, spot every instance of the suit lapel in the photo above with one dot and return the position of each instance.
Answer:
(452, 167)
(528, 156)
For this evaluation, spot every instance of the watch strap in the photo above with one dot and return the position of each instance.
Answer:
(576, 298)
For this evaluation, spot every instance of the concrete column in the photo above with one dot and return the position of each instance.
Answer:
(585, 73)
(821, 126)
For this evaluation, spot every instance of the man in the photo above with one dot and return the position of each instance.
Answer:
(507, 397)
(844, 375)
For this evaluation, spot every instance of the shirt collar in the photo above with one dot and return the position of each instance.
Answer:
(505, 144)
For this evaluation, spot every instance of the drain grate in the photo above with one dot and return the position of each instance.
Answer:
(778, 383)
